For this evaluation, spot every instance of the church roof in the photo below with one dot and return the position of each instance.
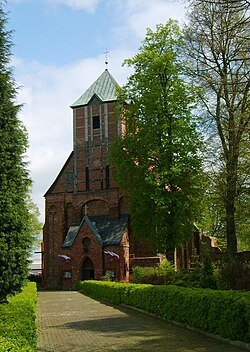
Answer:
(108, 231)
(104, 88)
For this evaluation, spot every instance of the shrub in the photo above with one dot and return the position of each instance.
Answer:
(160, 275)
(208, 279)
(225, 313)
(153, 279)
(166, 270)
(18, 322)
(106, 278)
(139, 273)
(187, 278)
(107, 290)
(201, 275)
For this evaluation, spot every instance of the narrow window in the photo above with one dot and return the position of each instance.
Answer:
(107, 177)
(96, 122)
(87, 178)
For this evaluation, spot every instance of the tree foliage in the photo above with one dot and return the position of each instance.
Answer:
(213, 220)
(15, 237)
(156, 161)
(35, 226)
(218, 42)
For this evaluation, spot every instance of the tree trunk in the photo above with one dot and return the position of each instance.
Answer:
(230, 221)
(230, 207)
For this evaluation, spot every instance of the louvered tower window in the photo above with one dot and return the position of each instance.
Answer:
(96, 122)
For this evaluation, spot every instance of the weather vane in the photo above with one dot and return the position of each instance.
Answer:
(106, 61)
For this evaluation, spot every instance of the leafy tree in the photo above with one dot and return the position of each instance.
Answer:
(156, 161)
(35, 226)
(15, 238)
(218, 41)
(213, 220)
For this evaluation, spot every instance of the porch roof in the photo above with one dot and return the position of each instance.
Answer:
(108, 231)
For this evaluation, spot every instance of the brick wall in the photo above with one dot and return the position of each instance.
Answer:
(78, 253)
(70, 271)
(86, 180)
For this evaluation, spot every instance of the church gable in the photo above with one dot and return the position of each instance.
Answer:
(64, 181)
(74, 232)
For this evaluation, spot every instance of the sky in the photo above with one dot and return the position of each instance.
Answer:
(58, 53)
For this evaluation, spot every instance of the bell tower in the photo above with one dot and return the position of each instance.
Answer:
(84, 194)
(86, 217)
(95, 126)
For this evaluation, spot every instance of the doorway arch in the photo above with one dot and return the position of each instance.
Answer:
(87, 269)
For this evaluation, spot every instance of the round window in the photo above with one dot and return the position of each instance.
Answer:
(86, 241)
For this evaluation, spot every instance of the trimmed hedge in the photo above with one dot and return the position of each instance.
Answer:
(224, 313)
(18, 322)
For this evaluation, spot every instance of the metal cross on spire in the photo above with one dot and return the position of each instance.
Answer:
(106, 56)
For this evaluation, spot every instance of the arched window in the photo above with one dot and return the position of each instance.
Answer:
(70, 215)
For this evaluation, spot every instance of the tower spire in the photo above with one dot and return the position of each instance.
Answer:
(106, 57)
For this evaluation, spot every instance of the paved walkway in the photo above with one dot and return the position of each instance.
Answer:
(72, 322)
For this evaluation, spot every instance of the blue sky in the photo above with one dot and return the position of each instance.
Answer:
(58, 52)
(57, 33)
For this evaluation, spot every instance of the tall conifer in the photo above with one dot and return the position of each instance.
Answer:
(15, 238)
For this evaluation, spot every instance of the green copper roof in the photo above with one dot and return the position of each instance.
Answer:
(104, 88)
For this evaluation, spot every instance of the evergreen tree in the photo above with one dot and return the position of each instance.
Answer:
(15, 238)
(156, 161)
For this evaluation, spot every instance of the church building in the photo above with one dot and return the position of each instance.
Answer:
(86, 231)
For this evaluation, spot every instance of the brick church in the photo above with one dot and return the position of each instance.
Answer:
(86, 231)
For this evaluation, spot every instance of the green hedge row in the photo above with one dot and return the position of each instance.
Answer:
(18, 322)
(223, 313)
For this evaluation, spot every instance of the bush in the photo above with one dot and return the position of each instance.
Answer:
(201, 275)
(18, 322)
(225, 313)
(186, 278)
(140, 273)
(106, 278)
(160, 275)
(208, 279)
(107, 290)
(165, 268)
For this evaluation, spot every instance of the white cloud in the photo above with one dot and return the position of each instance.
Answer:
(87, 5)
(135, 16)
